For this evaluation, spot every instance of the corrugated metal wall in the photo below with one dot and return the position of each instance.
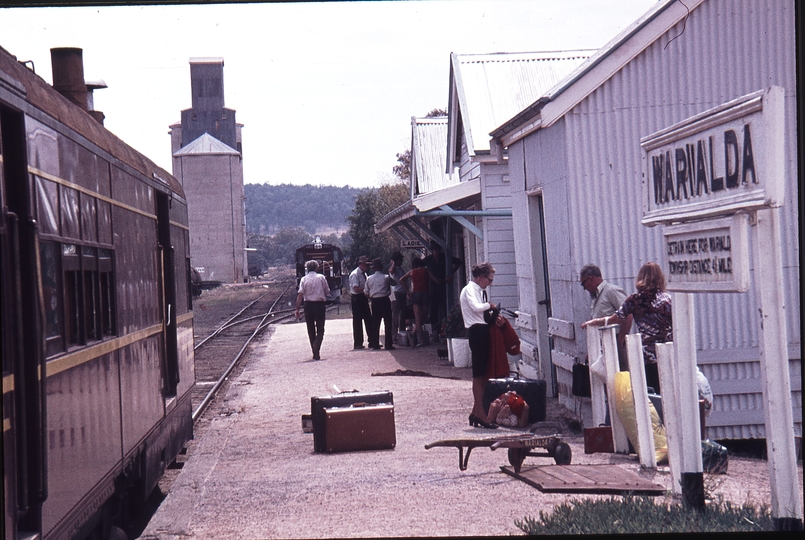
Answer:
(725, 49)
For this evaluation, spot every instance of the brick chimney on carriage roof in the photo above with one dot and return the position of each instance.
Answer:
(67, 64)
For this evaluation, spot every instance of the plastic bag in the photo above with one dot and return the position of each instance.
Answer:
(624, 406)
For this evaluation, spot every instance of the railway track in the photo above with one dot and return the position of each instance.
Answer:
(220, 345)
(224, 331)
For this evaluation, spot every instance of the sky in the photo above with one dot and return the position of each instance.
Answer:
(325, 90)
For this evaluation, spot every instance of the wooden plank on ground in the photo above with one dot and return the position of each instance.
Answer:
(597, 479)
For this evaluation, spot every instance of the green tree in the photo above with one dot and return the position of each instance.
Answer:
(270, 208)
(402, 170)
(370, 207)
(285, 243)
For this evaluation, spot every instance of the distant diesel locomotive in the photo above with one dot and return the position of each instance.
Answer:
(330, 261)
(97, 322)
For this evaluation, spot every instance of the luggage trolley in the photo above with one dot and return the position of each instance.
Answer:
(519, 446)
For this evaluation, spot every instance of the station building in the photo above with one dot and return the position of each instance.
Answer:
(577, 180)
(460, 193)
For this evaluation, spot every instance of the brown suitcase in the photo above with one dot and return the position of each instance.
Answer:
(359, 427)
(598, 439)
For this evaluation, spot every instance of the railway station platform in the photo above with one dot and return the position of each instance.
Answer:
(252, 473)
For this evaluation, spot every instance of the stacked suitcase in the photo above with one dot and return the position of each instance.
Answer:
(353, 421)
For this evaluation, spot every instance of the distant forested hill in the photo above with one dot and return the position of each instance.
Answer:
(317, 209)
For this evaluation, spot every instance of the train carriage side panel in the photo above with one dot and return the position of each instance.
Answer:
(83, 385)
(83, 442)
(102, 326)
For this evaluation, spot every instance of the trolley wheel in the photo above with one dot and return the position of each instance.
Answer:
(562, 454)
(516, 458)
(551, 447)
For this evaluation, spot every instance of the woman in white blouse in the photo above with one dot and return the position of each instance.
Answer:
(474, 302)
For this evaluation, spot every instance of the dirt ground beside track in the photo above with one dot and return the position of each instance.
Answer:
(251, 471)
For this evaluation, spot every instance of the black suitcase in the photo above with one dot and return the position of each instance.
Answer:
(532, 390)
(344, 399)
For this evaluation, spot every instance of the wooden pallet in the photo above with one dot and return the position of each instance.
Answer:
(598, 479)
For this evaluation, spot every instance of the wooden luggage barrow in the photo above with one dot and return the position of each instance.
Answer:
(519, 446)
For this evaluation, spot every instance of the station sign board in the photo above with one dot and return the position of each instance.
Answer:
(715, 163)
(411, 244)
(708, 256)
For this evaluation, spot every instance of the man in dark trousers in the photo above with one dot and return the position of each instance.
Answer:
(436, 263)
(361, 315)
(378, 289)
(313, 289)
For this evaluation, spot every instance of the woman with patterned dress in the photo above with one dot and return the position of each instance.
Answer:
(650, 308)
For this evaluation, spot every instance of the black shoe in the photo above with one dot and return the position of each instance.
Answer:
(376, 348)
(477, 422)
(358, 347)
(316, 357)
(391, 348)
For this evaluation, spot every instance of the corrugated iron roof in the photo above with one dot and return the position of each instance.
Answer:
(428, 155)
(492, 88)
(206, 144)
(592, 70)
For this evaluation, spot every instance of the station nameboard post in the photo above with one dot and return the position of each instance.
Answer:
(708, 180)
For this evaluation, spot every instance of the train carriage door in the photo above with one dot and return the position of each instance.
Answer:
(21, 339)
(168, 293)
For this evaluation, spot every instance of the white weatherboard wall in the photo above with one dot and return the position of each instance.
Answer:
(587, 167)
(498, 235)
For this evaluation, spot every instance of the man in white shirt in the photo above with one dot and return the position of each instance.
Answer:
(361, 315)
(313, 289)
(378, 289)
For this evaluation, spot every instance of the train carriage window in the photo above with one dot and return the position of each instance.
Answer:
(79, 294)
(51, 288)
(70, 213)
(89, 216)
(72, 296)
(92, 294)
(47, 200)
(104, 222)
(105, 266)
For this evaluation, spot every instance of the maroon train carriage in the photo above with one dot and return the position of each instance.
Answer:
(97, 322)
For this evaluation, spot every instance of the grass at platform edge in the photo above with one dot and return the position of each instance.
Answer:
(631, 514)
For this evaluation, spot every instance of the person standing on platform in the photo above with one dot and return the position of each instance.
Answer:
(378, 289)
(420, 282)
(474, 302)
(606, 299)
(399, 294)
(313, 289)
(361, 315)
(651, 308)
(436, 263)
